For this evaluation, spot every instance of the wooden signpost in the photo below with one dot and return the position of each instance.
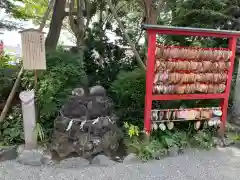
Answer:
(34, 58)
(33, 50)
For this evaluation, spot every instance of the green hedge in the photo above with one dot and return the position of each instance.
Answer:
(128, 92)
(8, 74)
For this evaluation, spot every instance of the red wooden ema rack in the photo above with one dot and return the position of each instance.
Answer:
(152, 31)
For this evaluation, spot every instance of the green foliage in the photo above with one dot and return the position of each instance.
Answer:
(65, 71)
(11, 130)
(34, 9)
(204, 13)
(145, 149)
(12, 7)
(103, 60)
(128, 92)
(23, 10)
(233, 84)
(200, 14)
(234, 136)
(202, 139)
(40, 132)
(131, 129)
(8, 74)
(160, 142)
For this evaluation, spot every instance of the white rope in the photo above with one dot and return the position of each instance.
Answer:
(69, 125)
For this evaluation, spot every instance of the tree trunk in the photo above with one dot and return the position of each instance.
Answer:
(150, 12)
(56, 24)
(236, 100)
(150, 17)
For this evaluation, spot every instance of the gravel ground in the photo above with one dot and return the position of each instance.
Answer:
(217, 164)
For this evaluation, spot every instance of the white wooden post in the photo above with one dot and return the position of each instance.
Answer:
(34, 58)
(29, 119)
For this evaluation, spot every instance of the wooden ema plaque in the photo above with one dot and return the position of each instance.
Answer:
(188, 73)
(185, 70)
(33, 50)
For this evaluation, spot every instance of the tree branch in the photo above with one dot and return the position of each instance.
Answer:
(142, 3)
(45, 17)
(139, 38)
(138, 58)
(88, 13)
(71, 18)
(160, 6)
(80, 19)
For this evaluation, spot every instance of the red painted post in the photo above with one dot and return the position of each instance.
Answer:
(1, 47)
(165, 97)
(190, 33)
(149, 80)
(170, 30)
(232, 47)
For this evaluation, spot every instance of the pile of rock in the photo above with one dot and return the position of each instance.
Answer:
(86, 125)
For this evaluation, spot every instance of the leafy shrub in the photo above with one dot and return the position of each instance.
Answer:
(128, 92)
(202, 139)
(161, 142)
(65, 71)
(8, 74)
(103, 58)
(11, 130)
(145, 149)
(131, 129)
